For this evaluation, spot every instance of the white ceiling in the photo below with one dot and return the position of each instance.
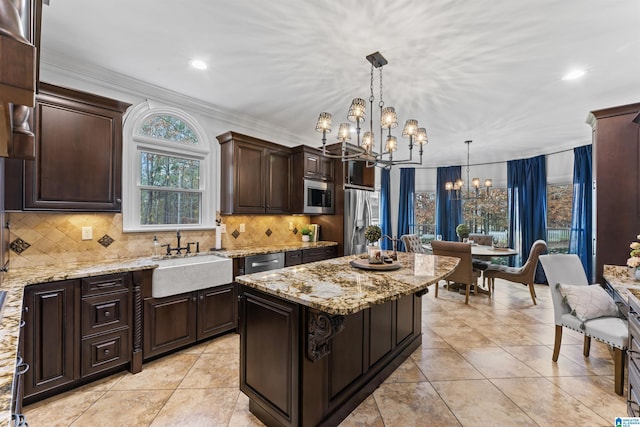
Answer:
(484, 70)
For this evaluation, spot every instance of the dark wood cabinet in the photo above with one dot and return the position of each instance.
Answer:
(169, 323)
(633, 361)
(292, 258)
(180, 320)
(290, 384)
(74, 330)
(309, 163)
(217, 311)
(51, 336)
(78, 159)
(319, 254)
(616, 155)
(255, 176)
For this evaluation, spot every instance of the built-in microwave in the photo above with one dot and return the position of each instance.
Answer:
(318, 197)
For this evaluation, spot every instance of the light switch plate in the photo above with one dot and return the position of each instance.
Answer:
(242, 228)
(87, 233)
(223, 228)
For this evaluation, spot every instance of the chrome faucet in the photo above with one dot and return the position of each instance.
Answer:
(178, 249)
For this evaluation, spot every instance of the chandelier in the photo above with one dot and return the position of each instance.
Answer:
(363, 149)
(456, 187)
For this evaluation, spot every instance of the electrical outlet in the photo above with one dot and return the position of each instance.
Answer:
(87, 233)
(290, 225)
(242, 228)
(223, 228)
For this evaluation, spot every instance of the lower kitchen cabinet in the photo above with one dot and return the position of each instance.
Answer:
(179, 320)
(51, 335)
(319, 254)
(633, 360)
(75, 330)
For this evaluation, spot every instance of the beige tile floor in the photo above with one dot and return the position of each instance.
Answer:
(488, 363)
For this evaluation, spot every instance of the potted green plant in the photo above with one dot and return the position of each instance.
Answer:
(306, 232)
(373, 233)
(462, 230)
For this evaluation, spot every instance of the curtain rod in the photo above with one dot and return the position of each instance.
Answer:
(497, 163)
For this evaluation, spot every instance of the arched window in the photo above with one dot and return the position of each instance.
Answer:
(168, 181)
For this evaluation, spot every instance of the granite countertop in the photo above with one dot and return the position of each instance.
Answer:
(626, 286)
(258, 250)
(15, 281)
(337, 288)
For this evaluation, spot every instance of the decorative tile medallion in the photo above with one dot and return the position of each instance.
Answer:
(295, 230)
(18, 246)
(235, 234)
(268, 232)
(105, 240)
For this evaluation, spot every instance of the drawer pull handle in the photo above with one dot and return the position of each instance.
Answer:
(106, 284)
(107, 351)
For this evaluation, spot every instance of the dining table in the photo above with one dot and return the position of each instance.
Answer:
(483, 251)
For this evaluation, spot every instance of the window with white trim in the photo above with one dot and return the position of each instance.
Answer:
(168, 181)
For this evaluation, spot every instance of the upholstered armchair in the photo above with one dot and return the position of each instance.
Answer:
(594, 314)
(525, 274)
(412, 243)
(464, 272)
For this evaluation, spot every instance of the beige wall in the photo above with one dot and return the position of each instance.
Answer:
(57, 237)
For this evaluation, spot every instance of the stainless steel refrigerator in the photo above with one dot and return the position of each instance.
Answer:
(361, 209)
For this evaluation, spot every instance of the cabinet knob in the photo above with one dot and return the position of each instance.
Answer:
(201, 297)
(107, 314)
(107, 351)
(118, 201)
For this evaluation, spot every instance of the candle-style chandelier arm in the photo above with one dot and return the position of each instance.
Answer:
(455, 188)
(362, 150)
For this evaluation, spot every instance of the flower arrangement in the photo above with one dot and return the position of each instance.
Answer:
(634, 260)
(372, 233)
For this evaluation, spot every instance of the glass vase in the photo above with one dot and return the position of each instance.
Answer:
(375, 254)
(637, 274)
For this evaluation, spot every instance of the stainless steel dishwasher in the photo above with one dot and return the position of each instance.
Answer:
(265, 262)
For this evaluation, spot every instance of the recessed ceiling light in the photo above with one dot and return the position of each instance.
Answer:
(574, 74)
(198, 64)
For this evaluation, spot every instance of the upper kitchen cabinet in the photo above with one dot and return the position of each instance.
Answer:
(310, 163)
(78, 159)
(255, 176)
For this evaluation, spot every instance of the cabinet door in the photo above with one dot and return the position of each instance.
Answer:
(278, 185)
(217, 311)
(169, 323)
(49, 336)
(78, 153)
(249, 195)
(312, 166)
(326, 168)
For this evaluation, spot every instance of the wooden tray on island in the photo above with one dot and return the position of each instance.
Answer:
(364, 264)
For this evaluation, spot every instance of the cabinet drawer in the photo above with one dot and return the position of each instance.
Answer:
(102, 284)
(292, 258)
(103, 313)
(105, 351)
(318, 254)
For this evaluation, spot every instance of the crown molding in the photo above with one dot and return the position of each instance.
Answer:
(63, 65)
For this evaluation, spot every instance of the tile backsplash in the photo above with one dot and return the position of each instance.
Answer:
(52, 238)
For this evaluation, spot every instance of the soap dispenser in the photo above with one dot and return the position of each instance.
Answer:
(156, 248)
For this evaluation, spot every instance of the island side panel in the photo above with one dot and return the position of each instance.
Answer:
(269, 355)
(335, 385)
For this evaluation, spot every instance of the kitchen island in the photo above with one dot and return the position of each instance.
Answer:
(317, 339)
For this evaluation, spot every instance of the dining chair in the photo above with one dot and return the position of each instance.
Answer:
(525, 274)
(481, 239)
(567, 269)
(464, 273)
(412, 243)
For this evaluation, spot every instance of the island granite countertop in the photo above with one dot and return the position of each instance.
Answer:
(335, 287)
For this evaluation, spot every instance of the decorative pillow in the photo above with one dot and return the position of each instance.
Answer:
(588, 302)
